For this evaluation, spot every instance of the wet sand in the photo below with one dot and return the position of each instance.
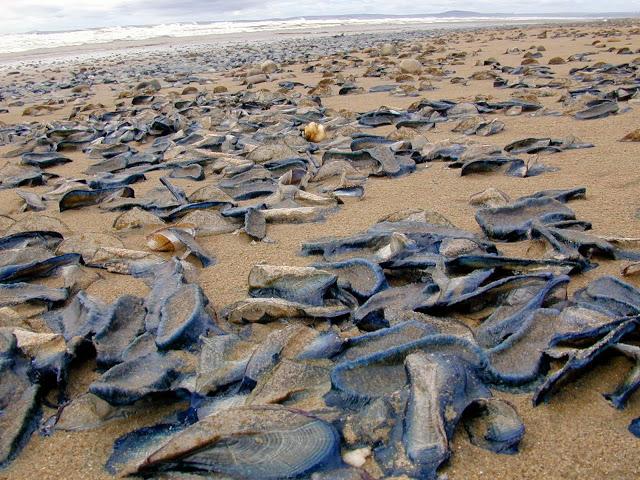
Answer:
(137, 47)
(577, 434)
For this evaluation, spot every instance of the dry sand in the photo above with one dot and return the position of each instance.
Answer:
(577, 434)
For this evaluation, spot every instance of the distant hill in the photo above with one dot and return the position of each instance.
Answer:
(466, 14)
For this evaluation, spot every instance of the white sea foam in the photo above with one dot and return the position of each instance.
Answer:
(21, 42)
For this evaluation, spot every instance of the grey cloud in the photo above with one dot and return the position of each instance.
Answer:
(189, 6)
(58, 15)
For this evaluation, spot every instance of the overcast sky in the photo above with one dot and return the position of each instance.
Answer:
(29, 15)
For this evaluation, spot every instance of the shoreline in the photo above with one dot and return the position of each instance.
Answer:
(131, 47)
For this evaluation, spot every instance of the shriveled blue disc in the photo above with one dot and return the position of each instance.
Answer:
(84, 316)
(494, 425)
(213, 144)
(588, 245)
(631, 383)
(250, 184)
(486, 295)
(465, 263)
(359, 276)
(383, 339)
(528, 145)
(183, 318)
(379, 160)
(441, 386)
(84, 198)
(381, 117)
(37, 269)
(579, 360)
(452, 289)
(526, 106)
(305, 285)
(487, 164)
(35, 238)
(382, 88)
(360, 245)
(138, 444)
(191, 172)
(182, 210)
(519, 358)
(513, 222)
(325, 345)
(44, 160)
(512, 312)
(28, 177)
(130, 381)
(142, 99)
(8, 345)
(255, 223)
(108, 151)
(562, 195)
(279, 167)
(19, 408)
(109, 180)
(427, 238)
(125, 324)
(600, 109)
(447, 152)
(252, 443)
(267, 354)
(16, 293)
(365, 378)
(369, 141)
(370, 316)
(164, 279)
(110, 164)
(417, 123)
(611, 296)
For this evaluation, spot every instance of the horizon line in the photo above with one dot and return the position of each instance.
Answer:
(460, 13)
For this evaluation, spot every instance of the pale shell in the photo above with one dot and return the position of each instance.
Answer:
(164, 240)
(314, 132)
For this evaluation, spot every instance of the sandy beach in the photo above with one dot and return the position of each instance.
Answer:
(577, 434)
(135, 47)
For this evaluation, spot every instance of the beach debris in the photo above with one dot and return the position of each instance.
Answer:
(314, 132)
(360, 362)
(249, 442)
(631, 136)
(598, 109)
